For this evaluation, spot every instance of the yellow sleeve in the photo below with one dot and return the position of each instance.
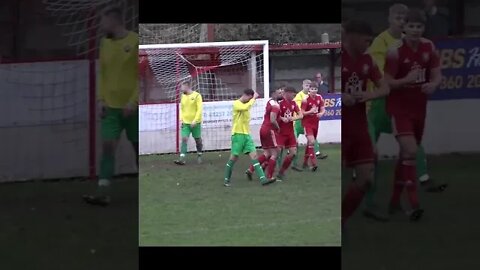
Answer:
(298, 99)
(134, 98)
(378, 51)
(199, 111)
(180, 112)
(101, 79)
(240, 106)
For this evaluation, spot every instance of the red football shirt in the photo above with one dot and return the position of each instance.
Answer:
(400, 61)
(311, 120)
(272, 106)
(287, 109)
(355, 74)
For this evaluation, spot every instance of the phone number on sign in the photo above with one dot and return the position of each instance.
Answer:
(460, 82)
(333, 112)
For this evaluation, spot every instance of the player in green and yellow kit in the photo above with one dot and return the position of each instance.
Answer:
(242, 142)
(118, 96)
(191, 119)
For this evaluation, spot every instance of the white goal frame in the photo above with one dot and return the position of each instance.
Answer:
(252, 70)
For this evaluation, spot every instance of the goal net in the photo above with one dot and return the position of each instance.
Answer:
(52, 123)
(219, 71)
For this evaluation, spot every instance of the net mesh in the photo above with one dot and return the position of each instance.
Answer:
(46, 132)
(220, 74)
(48, 120)
(172, 33)
(80, 20)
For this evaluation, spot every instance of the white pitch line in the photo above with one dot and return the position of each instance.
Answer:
(236, 227)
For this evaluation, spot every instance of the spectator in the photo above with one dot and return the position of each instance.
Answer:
(322, 85)
(437, 21)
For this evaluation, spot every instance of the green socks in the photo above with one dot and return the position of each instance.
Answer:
(183, 149)
(421, 164)
(280, 158)
(369, 200)
(228, 170)
(258, 169)
(317, 147)
(107, 166)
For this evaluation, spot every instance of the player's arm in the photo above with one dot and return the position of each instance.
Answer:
(198, 111)
(240, 106)
(391, 69)
(435, 73)
(322, 109)
(304, 107)
(299, 113)
(133, 100)
(273, 117)
(378, 51)
(381, 88)
(298, 100)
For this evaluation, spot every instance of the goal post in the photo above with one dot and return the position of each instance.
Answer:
(220, 71)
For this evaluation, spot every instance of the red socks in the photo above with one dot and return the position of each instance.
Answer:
(286, 163)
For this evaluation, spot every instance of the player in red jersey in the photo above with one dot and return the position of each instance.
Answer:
(412, 69)
(286, 136)
(313, 107)
(357, 149)
(268, 131)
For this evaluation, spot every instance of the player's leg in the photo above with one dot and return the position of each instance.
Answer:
(428, 184)
(111, 129)
(408, 152)
(237, 147)
(130, 124)
(272, 162)
(184, 134)
(197, 135)
(299, 130)
(357, 189)
(313, 158)
(292, 152)
(266, 142)
(378, 122)
(250, 149)
(309, 150)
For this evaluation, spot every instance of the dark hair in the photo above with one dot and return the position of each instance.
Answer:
(248, 92)
(274, 89)
(314, 85)
(115, 12)
(415, 16)
(290, 89)
(358, 27)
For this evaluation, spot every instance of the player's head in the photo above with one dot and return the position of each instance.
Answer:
(185, 87)
(306, 85)
(414, 24)
(313, 90)
(277, 92)
(289, 93)
(247, 95)
(111, 19)
(396, 17)
(358, 35)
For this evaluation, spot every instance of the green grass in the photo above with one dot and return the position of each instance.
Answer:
(189, 205)
(445, 238)
(45, 225)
